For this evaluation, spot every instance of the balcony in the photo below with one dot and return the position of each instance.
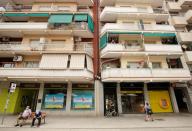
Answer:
(120, 74)
(171, 74)
(117, 50)
(76, 29)
(183, 3)
(185, 37)
(134, 27)
(31, 74)
(23, 26)
(154, 3)
(82, 47)
(188, 56)
(127, 75)
(188, 16)
(173, 6)
(113, 13)
(163, 49)
(179, 21)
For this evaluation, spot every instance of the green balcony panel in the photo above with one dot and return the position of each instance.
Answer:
(159, 34)
(103, 41)
(90, 24)
(80, 18)
(61, 19)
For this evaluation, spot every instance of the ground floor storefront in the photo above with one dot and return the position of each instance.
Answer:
(65, 98)
(164, 97)
(92, 99)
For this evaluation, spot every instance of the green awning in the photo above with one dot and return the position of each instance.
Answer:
(159, 34)
(80, 17)
(26, 14)
(65, 19)
(90, 24)
(103, 41)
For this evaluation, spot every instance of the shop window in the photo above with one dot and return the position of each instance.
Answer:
(82, 97)
(31, 64)
(55, 96)
(156, 65)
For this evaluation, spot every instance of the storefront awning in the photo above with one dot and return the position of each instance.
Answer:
(125, 33)
(65, 19)
(80, 17)
(54, 61)
(159, 34)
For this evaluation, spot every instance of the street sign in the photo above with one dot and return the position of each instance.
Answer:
(13, 87)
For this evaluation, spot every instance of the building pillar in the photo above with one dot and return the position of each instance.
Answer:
(145, 90)
(69, 95)
(99, 98)
(189, 102)
(173, 99)
(119, 104)
(40, 97)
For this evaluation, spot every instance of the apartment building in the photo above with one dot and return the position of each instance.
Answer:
(141, 57)
(49, 49)
(181, 18)
(46, 49)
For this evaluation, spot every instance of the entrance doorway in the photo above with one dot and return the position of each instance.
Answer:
(27, 97)
(181, 100)
(132, 102)
(110, 95)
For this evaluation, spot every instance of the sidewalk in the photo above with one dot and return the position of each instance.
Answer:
(162, 121)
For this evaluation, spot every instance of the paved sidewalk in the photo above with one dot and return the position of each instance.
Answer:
(165, 122)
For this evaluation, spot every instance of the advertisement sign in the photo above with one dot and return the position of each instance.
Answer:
(54, 100)
(82, 100)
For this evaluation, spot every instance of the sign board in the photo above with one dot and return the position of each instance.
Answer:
(13, 87)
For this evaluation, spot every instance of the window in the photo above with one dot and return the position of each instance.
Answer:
(156, 65)
(32, 64)
(82, 97)
(55, 96)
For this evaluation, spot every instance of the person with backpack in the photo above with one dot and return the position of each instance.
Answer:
(148, 112)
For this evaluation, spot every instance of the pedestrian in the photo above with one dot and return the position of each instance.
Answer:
(23, 116)
(37, 116)
(148, 112)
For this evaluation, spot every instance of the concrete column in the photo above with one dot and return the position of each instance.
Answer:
(99, 98)
(189, 102)
(145, 90)
(119, 98)
(173, 99)
(40, 96)
(69, 95)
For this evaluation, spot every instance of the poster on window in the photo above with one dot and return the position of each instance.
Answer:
(54, 100)
(82, 100)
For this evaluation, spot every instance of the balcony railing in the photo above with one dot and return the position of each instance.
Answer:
(87, 47)
(72, 26)
(135, 27)
(145, 74)
(31, 73)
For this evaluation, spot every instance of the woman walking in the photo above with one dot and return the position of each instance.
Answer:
(148, 112)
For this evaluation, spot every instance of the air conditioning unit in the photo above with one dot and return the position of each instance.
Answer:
(17, 58)
(78, 39)
(42, 40)
(5, 39)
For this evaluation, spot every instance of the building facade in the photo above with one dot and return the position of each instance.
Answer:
(49, 48)
(141, 58)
